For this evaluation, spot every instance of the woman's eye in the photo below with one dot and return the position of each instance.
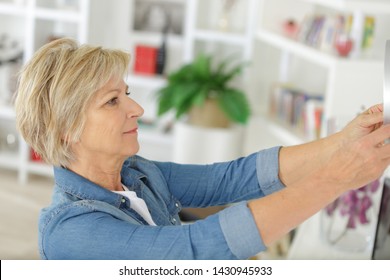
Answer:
(113, 101)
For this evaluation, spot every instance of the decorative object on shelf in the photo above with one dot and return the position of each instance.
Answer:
(161, 56)
(290, 28)
(349, 222)
(8, 142)
(344, 45)
(145, 60)
(162, 50)
(152, 16)
(223, 21)
(201, 86)
(34, 156)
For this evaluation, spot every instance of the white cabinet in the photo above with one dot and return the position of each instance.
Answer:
(345, 83)
(33, 23)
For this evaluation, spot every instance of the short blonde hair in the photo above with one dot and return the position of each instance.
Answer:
(55, 88)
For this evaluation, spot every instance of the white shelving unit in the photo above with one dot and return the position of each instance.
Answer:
(350, 83)
(204, 29)
(155, 142)
(39, 19)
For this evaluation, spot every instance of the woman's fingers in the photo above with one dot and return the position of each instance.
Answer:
(375, 109)
(379, 136)
(368, 120)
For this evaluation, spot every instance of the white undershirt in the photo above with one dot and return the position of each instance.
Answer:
(137, 204)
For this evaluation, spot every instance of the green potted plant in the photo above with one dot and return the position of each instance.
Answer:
(202, 90)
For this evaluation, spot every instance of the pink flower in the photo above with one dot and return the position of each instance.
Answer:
(354, 204)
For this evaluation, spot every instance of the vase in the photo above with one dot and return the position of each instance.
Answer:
(349, 222)
(224, 18)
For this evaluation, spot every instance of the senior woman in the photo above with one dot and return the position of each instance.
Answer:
(73, 107)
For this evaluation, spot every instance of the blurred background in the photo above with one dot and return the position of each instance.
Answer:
(302, 63)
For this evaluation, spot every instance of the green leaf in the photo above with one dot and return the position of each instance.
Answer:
(183, 93)
(234, 103)
(200, 98)
(202, 67)
(165, 101)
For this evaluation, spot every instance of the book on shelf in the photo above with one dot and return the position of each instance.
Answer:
(297, 109)
(324, 31)
(145, 60)
(368, 35)
(320, 31)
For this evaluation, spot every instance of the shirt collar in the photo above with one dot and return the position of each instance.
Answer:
(76, 185)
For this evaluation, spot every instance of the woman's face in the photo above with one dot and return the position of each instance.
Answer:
(111, 123)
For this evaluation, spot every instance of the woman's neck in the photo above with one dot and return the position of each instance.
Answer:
(102, 173)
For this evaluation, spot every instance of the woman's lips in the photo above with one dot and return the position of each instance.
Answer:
(132, 131)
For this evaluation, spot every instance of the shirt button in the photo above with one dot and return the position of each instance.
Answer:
(173, 220)
(123, 200)
(177, 205)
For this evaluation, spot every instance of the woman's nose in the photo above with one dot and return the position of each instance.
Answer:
(134, 110)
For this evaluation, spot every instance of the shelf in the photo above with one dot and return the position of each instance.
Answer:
(155, 38)
(149, 82)
(306, 52)
(220, 37)
(33, 22)
(367, 6)
(12, 9)
(7, 112)
(57, 15)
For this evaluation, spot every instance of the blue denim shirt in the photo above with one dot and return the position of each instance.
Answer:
(86, 221)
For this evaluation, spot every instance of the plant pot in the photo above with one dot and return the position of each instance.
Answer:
(208, 115)
(202, 145)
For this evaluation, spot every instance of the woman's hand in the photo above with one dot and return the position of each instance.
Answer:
(362, 157)
(365, 123)
(340, 157)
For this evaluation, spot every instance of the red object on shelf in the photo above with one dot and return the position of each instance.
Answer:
(344, 46)
(290, 28)
(34, 156)
(145, 60)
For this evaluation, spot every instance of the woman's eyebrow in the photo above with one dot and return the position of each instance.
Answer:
(103, 93)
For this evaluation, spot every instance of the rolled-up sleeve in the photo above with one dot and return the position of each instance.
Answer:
(240, 231)
(237, 222)
(267, 168)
